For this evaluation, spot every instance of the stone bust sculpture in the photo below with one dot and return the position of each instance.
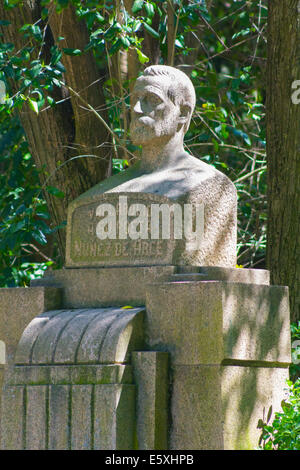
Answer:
(162, 104)
(163, 101)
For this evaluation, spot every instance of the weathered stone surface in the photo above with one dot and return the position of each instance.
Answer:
(151, 376)
(93, 337)
(25, 348)
(196, 409)
(2, 370)
(114, 417)
(217, 273)
(80, 374)
(18, 306)
(227, 369)
(126, 334)
(185, 319)
(86, 249)
(62, 417)
(248, 394)
(120, 286)
(12, 418)
(36, 417)
(70, 336)
(219, 407)
(166, 175)
(59, 422)
(44, 347)
(60, 403)
(106, 336)
(208, 322)
(256, 323)
(103, 287)
(81, 417)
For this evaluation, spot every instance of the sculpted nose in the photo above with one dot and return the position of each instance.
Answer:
(138, 108)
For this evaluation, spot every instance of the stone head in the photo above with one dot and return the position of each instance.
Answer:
(162, 105)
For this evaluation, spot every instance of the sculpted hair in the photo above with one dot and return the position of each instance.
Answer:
(181, 90)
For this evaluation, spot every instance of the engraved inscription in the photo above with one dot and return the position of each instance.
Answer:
(119, 229)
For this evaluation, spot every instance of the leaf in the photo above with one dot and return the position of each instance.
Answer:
(25, 27)
(99, 17)
(260, 424)
(70, 51)
(34, 71)
(59, 227)
(44, 13)
(56, 55)
(5, 47)
(269, 413)
(18, 226)
(43, 215)
(151, 31)
(137, 6)
(243, 135)
(51, 101)
(33, 105)
(40, 237)
(125, 42)
(55, 192)
(115, 47)
(179, 44)
(136, 25)
(142, 57)
(149, 10)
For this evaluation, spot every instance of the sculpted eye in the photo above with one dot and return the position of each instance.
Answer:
(154, 99)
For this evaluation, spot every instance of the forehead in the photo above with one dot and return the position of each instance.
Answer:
(151, 84)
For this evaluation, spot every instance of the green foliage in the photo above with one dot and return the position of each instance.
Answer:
(227, 130)
(295, 338)
(284, 432)
(23, 211)
(118, 165)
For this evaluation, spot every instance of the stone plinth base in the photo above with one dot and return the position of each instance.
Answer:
(196, 366)
(119, 286)
(229, 346)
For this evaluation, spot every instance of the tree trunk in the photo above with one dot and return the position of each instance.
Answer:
(283, 148)
(57, 134)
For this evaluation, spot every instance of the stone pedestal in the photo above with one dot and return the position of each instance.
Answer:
(229, 346)
(71, 386)
(150, 338)
(143, 358)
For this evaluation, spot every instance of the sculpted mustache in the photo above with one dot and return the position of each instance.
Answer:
(137, 123)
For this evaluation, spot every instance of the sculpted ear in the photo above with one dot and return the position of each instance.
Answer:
(185, 115)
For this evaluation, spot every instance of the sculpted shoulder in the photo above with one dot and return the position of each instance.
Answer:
(106, 185)
(188, 175)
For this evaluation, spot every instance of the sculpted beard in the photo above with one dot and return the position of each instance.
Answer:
(142, 129)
